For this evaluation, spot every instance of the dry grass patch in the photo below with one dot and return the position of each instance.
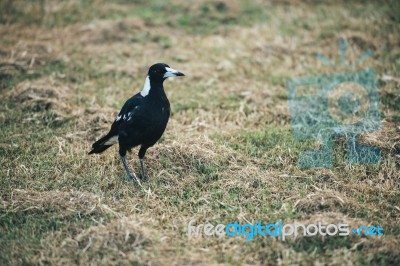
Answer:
(120, 242)
(59, 203)
(388, 138)
(320, 201)
(46, 97)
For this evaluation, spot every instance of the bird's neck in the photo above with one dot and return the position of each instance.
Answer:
(152, 88)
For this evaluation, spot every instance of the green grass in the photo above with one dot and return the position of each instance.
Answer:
(200, 18)
(268, 144)
(24, 230)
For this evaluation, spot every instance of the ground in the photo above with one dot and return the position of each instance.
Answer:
(228, 153)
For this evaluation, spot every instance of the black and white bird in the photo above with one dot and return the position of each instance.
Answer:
(142, 120)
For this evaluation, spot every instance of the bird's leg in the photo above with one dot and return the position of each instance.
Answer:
(131, 177)
(142, 152)
(142, 172)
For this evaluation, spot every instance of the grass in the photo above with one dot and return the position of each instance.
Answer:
(228, 154)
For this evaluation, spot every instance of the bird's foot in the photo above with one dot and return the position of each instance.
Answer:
(134, 180)
(144, 178)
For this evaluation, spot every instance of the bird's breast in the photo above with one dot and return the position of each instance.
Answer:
(160, 112)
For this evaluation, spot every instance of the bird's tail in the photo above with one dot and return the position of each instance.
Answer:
(104, 143)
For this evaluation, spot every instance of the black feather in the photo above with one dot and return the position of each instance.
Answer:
(99, 146)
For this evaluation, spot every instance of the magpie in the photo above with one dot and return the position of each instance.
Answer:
(142, 119)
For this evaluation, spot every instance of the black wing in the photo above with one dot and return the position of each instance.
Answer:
(128, 111)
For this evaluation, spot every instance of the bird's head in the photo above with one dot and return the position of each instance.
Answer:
(160, 71)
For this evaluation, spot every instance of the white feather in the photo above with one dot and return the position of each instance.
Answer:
(146, 88)
(112, 140)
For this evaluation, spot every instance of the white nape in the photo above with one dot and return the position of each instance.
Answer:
(112, 140)
(146, 88)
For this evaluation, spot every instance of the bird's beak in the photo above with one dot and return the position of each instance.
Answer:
(172, 73)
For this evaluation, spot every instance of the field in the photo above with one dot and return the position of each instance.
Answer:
(67, 67)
